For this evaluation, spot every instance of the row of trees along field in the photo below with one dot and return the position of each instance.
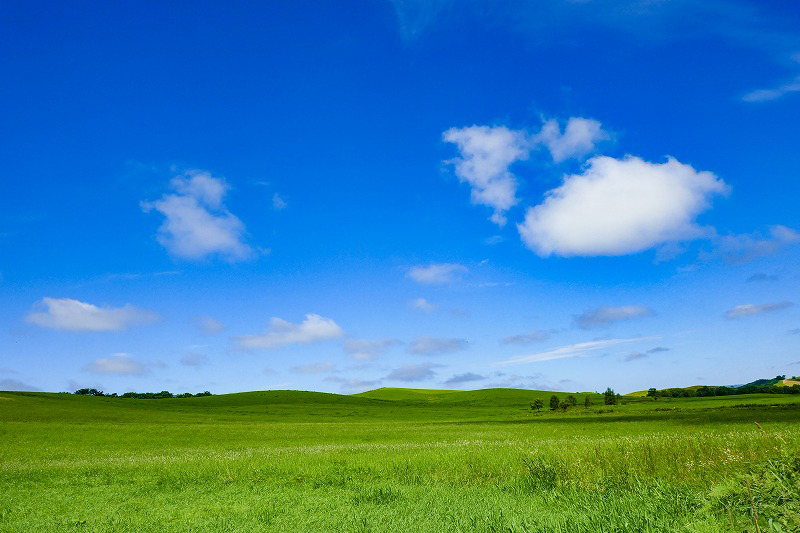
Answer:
(761, 386)
(141, 395)
(609, 398)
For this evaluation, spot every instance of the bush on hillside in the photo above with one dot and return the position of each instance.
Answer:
(610, 397)
(554, 402)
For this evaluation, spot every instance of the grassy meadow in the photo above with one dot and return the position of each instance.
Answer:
(398, 460)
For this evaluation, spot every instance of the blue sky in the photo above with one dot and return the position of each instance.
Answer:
(339, 196)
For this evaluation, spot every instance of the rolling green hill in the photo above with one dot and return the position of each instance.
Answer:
(395, 460)
(479, 398)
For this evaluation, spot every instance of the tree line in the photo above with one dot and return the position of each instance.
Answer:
(141, 395)
(609, 398)
(750, 388)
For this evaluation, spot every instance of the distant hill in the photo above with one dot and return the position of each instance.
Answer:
(777, 380)
(476, 398)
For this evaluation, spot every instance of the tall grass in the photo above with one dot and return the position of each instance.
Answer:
(211, 469)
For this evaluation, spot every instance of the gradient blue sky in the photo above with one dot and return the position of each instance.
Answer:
(338, 196)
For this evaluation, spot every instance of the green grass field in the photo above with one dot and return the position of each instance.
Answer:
(398, 460)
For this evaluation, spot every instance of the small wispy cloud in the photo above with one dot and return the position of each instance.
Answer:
(748, 246)
(74, 315)
(434, 346)
(278, 203)
(580, 137)
(641, 355)
(571, 350)
(282, 333)
(16, 385)
(412, 372)
(120, 364)
(760, 276)
(421, 304)
(194, 359)
(464, 378)
(605, 316)
(527, 338)
(352, 384)
(366, 349)
(210, 325)
(767, 95)
(436, 273)
(745, 310)
(516, 381)
(314, 368)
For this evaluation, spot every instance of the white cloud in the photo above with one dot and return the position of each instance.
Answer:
(527, 338)
(605, 316)
(315, 368)
(570, 350)
(119, 363)
(434, 346)
(74, 315)
(620, 206)
(421, 304)
(278, 203)
(579, 138)
(366, 350)
(281, 333)
(766, 95)
(436, 273)
(202, 186)
(741, 311)
(412, 373)
(197, 222)
(486, 155)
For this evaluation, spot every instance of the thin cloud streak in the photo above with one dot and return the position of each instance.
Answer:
(436, 273)
(571, 350)
(745, 310)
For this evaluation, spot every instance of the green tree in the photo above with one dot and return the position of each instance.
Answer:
(554, 402)
(571, 401)
(587, 402)
(537, 404)
(89, 392)
(610, 397)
